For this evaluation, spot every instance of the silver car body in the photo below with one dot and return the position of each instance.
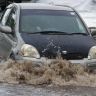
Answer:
(11, 45)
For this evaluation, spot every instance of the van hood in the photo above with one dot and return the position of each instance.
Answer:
(70, 46)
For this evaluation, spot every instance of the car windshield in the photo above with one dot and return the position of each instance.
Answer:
(50, 20)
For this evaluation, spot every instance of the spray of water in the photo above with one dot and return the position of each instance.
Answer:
(59, 72)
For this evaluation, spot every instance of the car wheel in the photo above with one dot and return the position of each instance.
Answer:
(3, 7)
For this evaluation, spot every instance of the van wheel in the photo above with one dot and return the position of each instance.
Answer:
(3, 7)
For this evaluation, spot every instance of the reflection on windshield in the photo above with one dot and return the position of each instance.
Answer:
(49, 20)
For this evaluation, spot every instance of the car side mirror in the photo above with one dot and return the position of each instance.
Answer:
(5, 29)
(92, 31)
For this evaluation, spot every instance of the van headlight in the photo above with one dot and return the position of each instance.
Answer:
(29, 51)
(92, 52)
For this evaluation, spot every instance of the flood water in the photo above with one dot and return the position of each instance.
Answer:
(42, 90)
(61, 78)
(28, 90)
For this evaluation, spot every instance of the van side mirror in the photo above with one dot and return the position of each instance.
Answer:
(5, 29)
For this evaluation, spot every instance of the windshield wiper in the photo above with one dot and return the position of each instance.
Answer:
(79, 33)
(49, 32)
(56, 32)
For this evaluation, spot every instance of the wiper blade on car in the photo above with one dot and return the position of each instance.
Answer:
(79, 33)
(56, 32)
(53, 32)
(50, 32)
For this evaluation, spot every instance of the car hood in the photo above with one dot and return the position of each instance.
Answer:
(70, 46)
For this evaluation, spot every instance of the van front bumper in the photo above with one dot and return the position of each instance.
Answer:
(91, 63)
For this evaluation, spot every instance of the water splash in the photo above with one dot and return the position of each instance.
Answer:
(59, 72)
(51, 44)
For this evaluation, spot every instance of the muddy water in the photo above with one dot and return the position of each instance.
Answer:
(38, 90)
(60, 78)
(59, 72)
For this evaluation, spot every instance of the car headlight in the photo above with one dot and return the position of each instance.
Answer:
(29, 51)
(92, 52)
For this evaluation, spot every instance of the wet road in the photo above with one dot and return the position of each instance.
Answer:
(88, 12)
(43, 90)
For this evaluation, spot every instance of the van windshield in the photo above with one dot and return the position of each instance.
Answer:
(50, 20)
